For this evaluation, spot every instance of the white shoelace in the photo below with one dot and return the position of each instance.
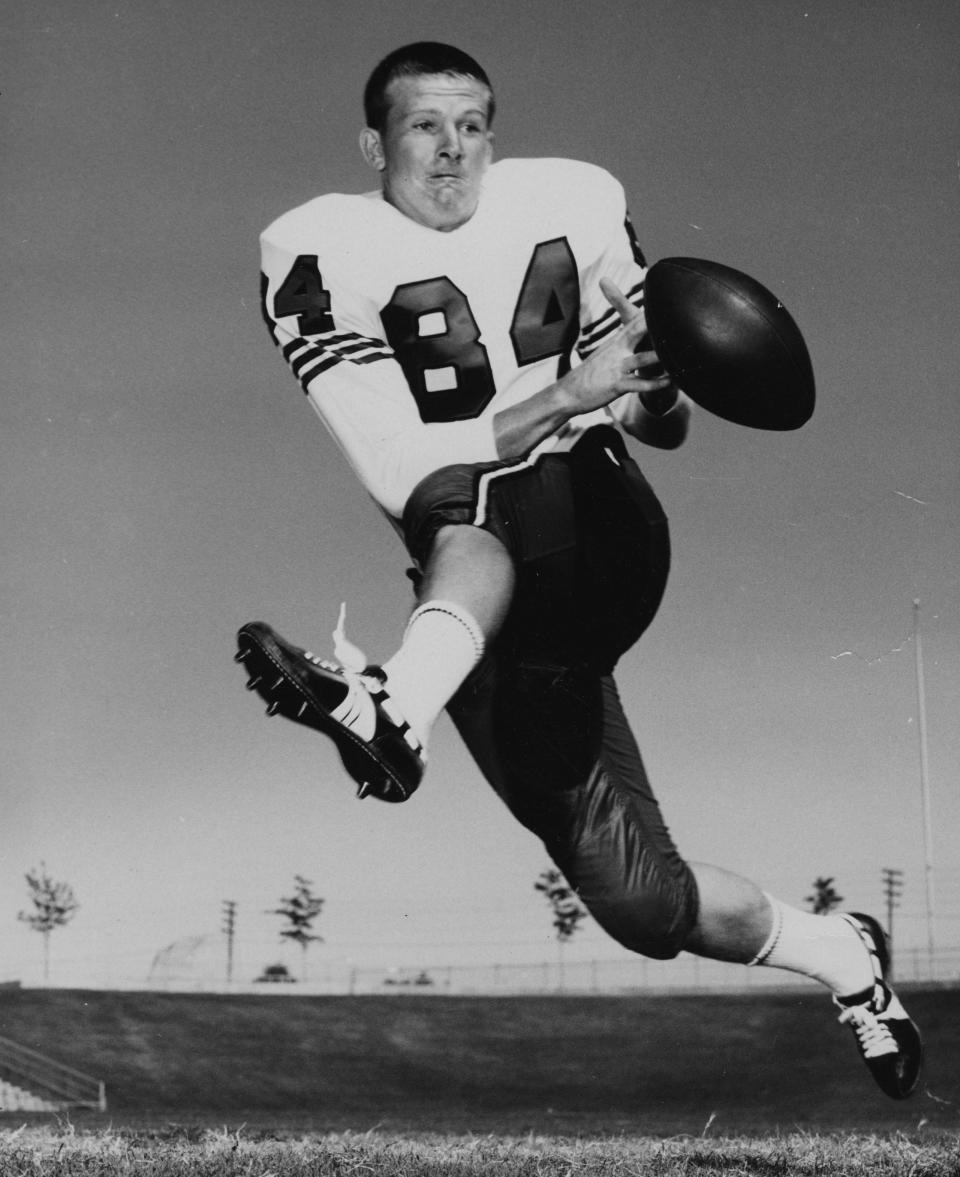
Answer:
(349, 656)
(358, 710)
(873, 1033)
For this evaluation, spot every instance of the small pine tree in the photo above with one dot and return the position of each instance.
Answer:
(824, 898)
(565, 907)
(300, 909)
(54, 906)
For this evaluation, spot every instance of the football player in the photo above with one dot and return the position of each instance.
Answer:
(472, 335)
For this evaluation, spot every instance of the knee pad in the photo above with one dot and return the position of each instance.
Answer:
(652, 923)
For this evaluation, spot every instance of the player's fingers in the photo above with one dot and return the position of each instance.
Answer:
(660, 400)
(633, 382)
(645, 364)
(649, 360)
(629, 314)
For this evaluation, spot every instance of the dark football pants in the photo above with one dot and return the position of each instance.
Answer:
(541, 714)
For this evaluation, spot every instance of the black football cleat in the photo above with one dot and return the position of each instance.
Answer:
(887, 1039)
(376, 744)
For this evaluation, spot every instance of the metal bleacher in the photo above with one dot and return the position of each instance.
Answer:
(33, 1082)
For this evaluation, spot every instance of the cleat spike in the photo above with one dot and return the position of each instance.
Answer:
(303, 707)
(364, 790)
(241, 655)
(252, 682)
(279, 683)
(273, 707)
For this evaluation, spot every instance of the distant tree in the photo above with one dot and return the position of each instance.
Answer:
(824, 898)
(300, 910)
(54, 905)
(565, 907)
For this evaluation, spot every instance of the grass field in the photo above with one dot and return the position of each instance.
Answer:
(174, 1152)
(418, 1085)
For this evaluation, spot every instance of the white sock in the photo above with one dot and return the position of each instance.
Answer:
(441, 645)
(823, 947)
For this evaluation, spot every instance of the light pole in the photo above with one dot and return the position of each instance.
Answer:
(892, 889)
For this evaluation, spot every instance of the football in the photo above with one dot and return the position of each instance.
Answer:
(729, 343)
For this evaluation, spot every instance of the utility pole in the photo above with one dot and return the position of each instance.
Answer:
(892, 890)
(229, 920)
(924, 784)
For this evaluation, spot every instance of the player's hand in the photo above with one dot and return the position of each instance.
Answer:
(655, 400)
(622, 363)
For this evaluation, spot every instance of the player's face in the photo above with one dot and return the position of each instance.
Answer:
(435, 148)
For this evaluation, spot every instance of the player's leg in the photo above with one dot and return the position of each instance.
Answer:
(470, 566)
(733, 919)
(740, 923)
(542, 718)
(380, 716)
(471, 528)
(582, 788)
(553, 744)
(572, 772)
(467, 527)
(736, 921)
(464, 595)
(846, 952)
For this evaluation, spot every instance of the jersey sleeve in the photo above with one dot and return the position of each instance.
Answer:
(620, 259)
(331, 336)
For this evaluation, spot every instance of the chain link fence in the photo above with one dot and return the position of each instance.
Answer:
(559, 976)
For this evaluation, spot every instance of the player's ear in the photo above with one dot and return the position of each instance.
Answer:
(371, 147)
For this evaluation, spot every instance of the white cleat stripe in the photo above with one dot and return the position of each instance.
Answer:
(357, 712)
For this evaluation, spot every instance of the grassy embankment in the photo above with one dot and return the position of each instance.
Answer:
(653, 1066)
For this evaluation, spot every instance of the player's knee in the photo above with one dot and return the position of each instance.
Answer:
(446, 498)
(654, 924)
(455, 542)
(473, 568)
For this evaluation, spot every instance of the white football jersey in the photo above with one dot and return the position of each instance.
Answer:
(409, 340)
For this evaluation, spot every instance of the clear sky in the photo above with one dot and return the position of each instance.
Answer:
(164, 480)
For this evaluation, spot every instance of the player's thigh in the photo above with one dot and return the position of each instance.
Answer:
(623, 547)
(593, 554)
(529, 508)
